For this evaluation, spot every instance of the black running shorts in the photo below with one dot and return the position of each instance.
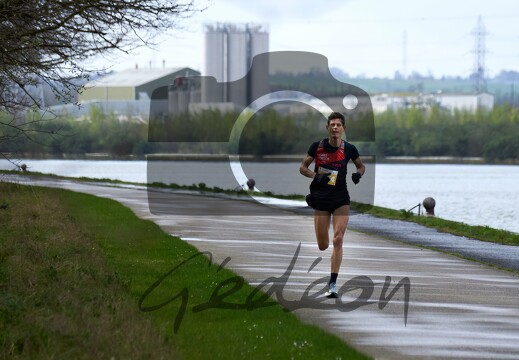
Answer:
(328, 203)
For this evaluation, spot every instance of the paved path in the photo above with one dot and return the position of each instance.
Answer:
(458, 309)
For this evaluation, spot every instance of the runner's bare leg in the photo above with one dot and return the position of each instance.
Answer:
(341, 217)
(322, 220)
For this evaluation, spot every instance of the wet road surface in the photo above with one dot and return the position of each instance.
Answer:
(457, 309)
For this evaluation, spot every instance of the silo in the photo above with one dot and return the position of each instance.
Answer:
(237, 65)
(229, 52)
(259, 76)
(215, 62)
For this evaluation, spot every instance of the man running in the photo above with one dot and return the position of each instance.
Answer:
(328, 192)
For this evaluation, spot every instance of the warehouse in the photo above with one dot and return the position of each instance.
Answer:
(133, 84)
(125, 94)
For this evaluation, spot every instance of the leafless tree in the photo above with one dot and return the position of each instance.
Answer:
(47, 41)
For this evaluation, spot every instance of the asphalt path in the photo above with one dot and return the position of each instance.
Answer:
(398, 300)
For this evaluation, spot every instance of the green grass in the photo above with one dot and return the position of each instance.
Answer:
(73, 268)
(59, 297)
(483, 233)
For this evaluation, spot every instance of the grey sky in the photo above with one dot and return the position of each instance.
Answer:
(358, 36)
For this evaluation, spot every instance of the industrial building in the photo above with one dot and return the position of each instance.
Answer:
(450, 102)
(229, 52)
(228, 81)
(126, 93)
(132, 84)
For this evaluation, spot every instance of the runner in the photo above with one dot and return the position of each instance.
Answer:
(328, 192)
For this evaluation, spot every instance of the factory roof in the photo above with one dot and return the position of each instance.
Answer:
(134, 77)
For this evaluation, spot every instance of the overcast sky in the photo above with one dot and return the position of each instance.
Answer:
(358, 36)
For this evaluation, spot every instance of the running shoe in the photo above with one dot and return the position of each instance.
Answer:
(332, 291)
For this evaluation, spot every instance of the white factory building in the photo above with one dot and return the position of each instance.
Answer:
(469, 102)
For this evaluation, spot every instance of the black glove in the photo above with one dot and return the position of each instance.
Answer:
(355, 177)
(322, 178)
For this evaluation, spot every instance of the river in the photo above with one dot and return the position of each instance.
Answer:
(473, 194)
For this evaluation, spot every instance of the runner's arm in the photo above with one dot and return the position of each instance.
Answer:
(361, 169)
(304, 168)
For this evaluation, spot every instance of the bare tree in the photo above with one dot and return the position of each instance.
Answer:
(47, 41)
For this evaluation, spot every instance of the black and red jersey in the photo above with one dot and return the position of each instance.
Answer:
(332, 158)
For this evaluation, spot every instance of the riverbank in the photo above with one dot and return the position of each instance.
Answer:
(276, 251)
(254, 158)
(76, 268)
(483, 233)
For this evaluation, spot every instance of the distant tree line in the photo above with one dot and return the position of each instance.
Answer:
(67, 136)
(416, 132)
(406, 132)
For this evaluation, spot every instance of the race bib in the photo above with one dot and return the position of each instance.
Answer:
(332, 175)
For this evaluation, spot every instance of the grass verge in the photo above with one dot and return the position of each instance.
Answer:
(483, 233)
(73, 268)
